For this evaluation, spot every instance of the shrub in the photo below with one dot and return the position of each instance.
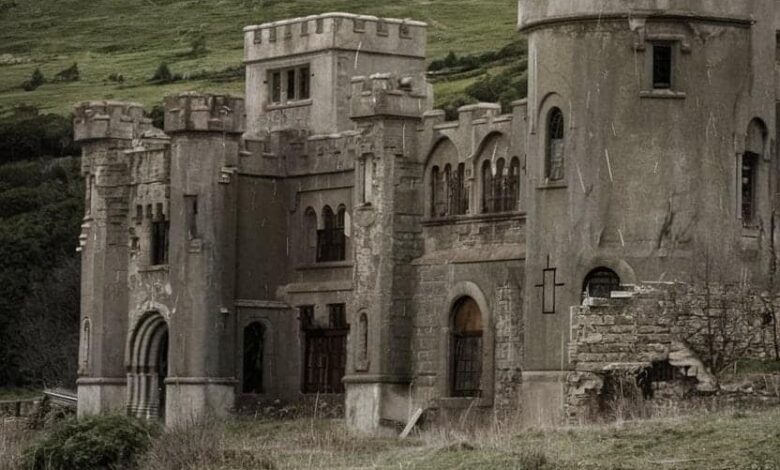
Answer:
(198, 44)
(116, 77)
(163, 74)
(70, 74)
(99, 442)
(36, 79)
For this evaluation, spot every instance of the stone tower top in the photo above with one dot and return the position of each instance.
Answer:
(334, 31)
(386, 95)
(188, 112)
(109, 120)
(538, 13)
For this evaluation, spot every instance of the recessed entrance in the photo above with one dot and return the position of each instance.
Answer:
(148, 368)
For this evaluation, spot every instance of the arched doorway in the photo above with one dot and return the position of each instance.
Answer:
(254, 346)
(601, 282)
(148, 368)
(467, 349)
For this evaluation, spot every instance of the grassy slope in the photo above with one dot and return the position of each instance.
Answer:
(131, 37)
(719, 441)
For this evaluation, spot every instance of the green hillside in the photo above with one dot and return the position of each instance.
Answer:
(130, 38)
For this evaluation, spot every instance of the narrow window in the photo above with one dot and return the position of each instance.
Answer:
(276, 87)
(85, 348)
(513, 185)
(303, 83)
(254, 345)
(320, 25)
(449, 191)
(434, 190)
(340, 238)
(337, 315)
(159, 245)
(662, 66)
(460, 198)
(467, 349)
(90, 183)
(499, 183)
(601, 282)
(304, 28)
(362, 343)
(555, 146)
(288, 31)
(272, 35)
(290, 84)
(191, 206)
(149, 213)
(310, 234)
(258, 36)
(331, 240)
(487, 186)
(139, 214)
(306, 316)
(749, 164)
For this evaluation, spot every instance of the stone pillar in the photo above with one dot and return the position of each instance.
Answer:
(205, 135)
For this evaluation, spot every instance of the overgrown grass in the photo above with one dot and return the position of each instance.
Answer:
(123, 37)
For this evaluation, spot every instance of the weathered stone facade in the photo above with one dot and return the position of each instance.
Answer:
(332, 234)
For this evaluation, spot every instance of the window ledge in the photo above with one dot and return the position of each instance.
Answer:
(289, 104)
(552, 185)
(750, 232)
(325, 265)
(469, 218)
(154, 268)
(663, 94)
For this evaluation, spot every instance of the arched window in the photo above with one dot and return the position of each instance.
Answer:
(448, 190)
(555, 151)
(85, 348)
(460, 199)
(254, 345)
(513, 185)
(447, 181)
(749, 180)
(310, 234)
(499, 187)
(331, 240)
(361, 362)
(487, 186)
(466, 349)
(601, 282)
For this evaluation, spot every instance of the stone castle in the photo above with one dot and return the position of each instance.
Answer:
(330, 233)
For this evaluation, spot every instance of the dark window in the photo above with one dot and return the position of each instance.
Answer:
(513, 185)
(304, 28)
(331, 241)
(555, 145)
(276, 87)
(306, 316)
(310, 234)
(320, 25)
(601, 282)
(404, 31)
(288, 31)
(191, 206)
(254, 344)
(487, 187)
(258, 36)
(435, 190)
(159, 245)
(749, 164)
(290, 84)
(467, 349)
(139, 214)
(326, 354)
(459, 202)
(662, 66)
(303, 83)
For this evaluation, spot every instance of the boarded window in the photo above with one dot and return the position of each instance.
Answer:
(467, 349)
(662, 65)
(254, 348)
(326, 354)
(555, 145)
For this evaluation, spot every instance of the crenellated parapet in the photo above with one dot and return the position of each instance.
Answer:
(388, 96)
(199, 112)
(94, 120)
(328, 31)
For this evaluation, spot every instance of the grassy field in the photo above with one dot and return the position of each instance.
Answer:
(132, 37)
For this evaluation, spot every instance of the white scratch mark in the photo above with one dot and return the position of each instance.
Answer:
(609, 165)
(357, 53)
(579, 173)
(622, 241)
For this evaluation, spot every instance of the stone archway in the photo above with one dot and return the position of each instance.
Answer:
(148, 368)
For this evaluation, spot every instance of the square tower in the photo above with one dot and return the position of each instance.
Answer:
(298, 71)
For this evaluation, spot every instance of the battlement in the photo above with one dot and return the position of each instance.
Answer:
(197, 112)
(386, 95)
(343, 31)
(109, 120)
(535, 13)
(471, 115)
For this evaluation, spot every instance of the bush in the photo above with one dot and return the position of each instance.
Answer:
(198, 45)
(36, 79)
(116, 77)
(99, 442)
(70, 74)
(163, 74)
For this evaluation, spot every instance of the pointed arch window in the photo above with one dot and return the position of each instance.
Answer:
(513, 185)
(487, 187)
(555, 151)
(331, 240)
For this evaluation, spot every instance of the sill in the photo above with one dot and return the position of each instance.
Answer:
(325, 265)
(154, 268)
(663, 94)
(289, 104)
(560, 184)
(473, 218)
(750, 232)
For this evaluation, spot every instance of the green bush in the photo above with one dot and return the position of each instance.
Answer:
(100, 442)
(163, 74)
(70, 74)
(36, 79)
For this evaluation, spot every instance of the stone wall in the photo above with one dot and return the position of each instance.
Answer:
(699, 331)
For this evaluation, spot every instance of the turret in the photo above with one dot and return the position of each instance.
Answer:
(105, 130)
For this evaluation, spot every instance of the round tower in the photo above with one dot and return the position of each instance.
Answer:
(649, 151)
